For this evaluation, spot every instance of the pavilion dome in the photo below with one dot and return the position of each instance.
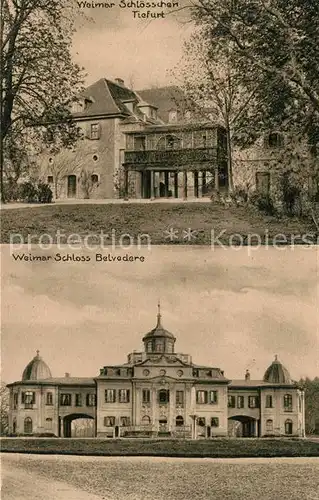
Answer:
(277, 373)
(37, 369)
(159, 331)
(159, 340)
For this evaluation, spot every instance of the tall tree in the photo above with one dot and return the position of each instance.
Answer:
(214, 85)
(311, 404)
(4, 409)
(275, 47)
(39, 81)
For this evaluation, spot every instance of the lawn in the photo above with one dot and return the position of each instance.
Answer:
(209, 222)
(218, 448)
(147, 478)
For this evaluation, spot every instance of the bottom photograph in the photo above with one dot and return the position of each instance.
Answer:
(163, 373)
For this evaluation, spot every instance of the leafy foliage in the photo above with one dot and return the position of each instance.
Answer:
(39, 79)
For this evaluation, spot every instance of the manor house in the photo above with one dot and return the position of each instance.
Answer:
(157, 392)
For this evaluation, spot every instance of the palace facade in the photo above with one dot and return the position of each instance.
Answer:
(157, 392)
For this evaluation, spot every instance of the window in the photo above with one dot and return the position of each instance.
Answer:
(263, 182)
(109, 421)
(231, 402)
(269, 403)
(94, 178)
(214, 422)
(253, 402)
(149, 346)
(48, 423)
(110, 396)
(49, 399)
(288, 426)
(213, 397)
(50, 179)
(139, 143)
(274, 140)
(125, 421)
(204, 140)
(28, 425)
(201, 421)
(158, 346)
(172, 116)
(288, 402)
(179, 421)
(163, 396)
(15, 400)
(146, 396)
(65, 399)
(146, 420)
(95, 131)
(240, 401)
(195, 373)
(28, 399)
(269, 425)
(124, 396)
(90, 399)
(180, 398)
(201, 397)
(78, 400)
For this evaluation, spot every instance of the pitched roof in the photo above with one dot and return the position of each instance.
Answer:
(105, 97)
(165, 99)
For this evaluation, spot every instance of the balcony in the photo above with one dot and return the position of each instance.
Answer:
(170, 159)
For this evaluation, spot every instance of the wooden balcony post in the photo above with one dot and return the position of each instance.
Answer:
(166, 177)
(196, 184)
(176, 184)
(152, 184)
(185, 184)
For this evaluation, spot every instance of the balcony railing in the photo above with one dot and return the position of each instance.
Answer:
(170, 158)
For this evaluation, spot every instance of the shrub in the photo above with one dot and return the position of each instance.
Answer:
(263, 202)
(45, 194)
(11, 191)
(28, 192)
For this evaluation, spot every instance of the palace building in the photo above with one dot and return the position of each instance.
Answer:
(158, 392)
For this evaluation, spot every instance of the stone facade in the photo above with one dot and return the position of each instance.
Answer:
(157, 392)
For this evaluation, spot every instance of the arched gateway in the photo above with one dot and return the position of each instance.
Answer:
(67, 430)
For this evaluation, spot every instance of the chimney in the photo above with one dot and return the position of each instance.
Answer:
(247, 375)
(119, 81)
(67, 375)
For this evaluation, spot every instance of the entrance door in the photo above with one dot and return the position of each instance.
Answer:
(163, 425)
(146, 184)
(71, 186)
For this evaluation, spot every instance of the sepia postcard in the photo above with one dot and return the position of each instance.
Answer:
(159, 249)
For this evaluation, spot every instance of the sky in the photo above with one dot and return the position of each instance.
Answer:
(111, 43)
(226, 308)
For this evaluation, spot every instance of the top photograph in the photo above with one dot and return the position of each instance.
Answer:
(152, 122)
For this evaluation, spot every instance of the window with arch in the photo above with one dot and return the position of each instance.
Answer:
(48, 423)
(28, 425)
(274, 140)
(169, 142)
(146, 420)
(288, 402)
(288, 426)
(269, 425)
(179, 421)
(163, 396)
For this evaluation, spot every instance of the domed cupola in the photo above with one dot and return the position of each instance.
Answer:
(159, 340)
(37, 369)
(276, 373)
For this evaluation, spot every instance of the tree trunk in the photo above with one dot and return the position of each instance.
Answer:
(229, 160)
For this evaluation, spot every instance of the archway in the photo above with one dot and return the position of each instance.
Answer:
(77, 425)
(243, 426)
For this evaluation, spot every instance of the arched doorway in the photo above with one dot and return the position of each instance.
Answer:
(77, 425)
(71, 186)
(28, 425)
(243, 426)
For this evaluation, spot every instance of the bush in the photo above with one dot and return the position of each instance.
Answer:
(31, 193)
(45, 194)
(11, 191)
(263, 202)
(28, 192)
